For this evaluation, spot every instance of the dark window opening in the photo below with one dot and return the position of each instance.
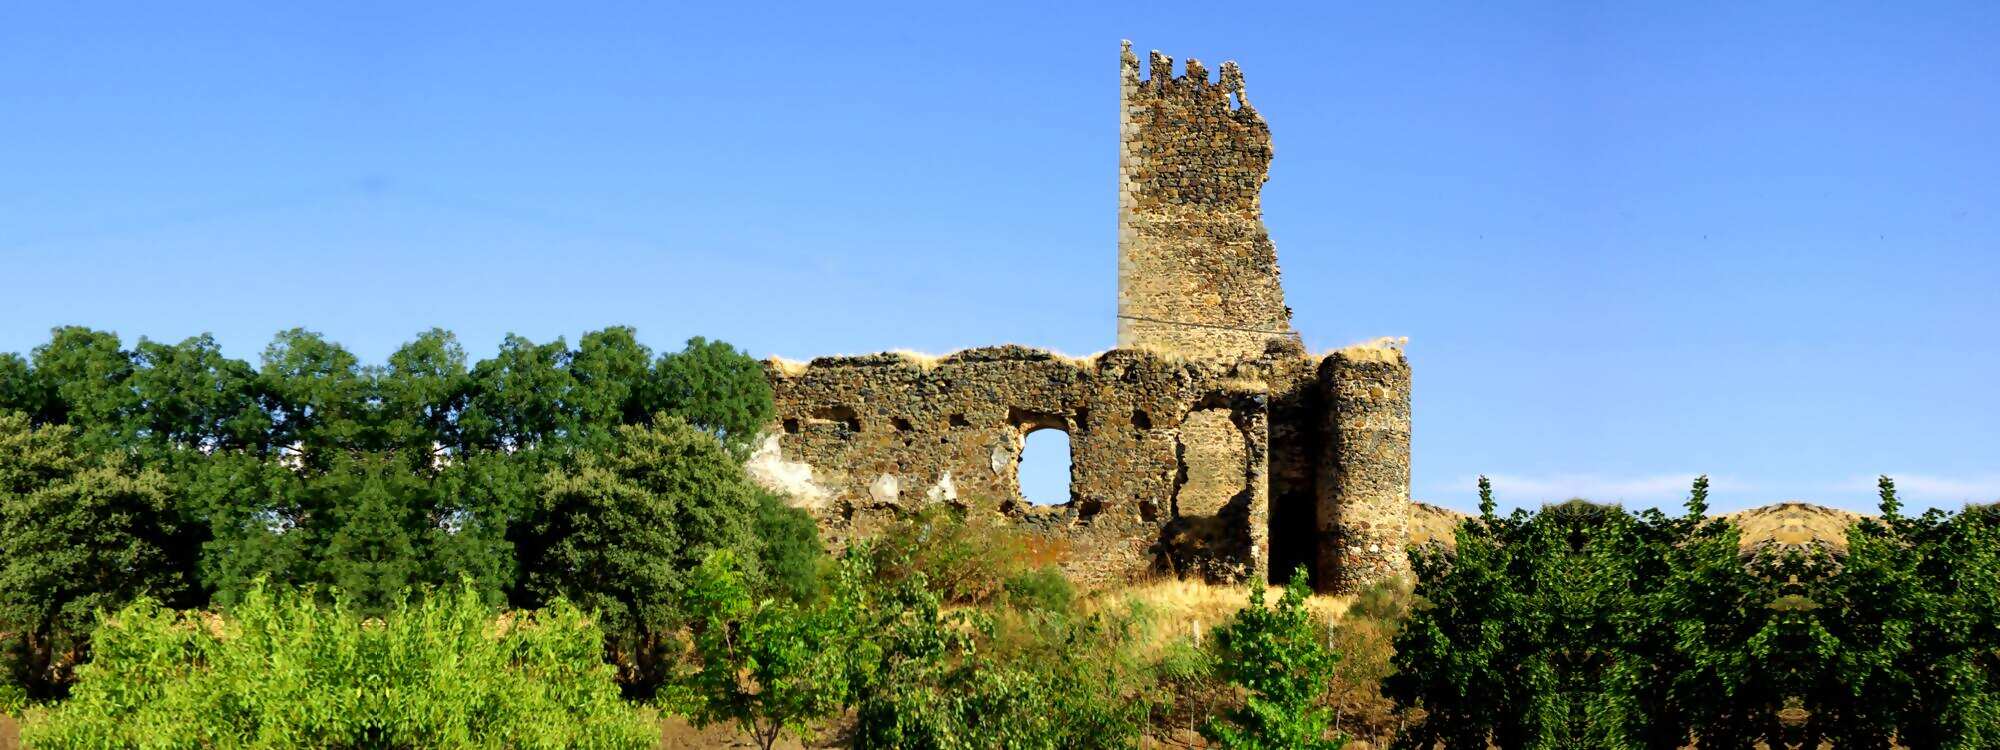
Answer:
(844, 416)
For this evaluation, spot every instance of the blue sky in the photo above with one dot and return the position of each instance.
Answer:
(1758, 242)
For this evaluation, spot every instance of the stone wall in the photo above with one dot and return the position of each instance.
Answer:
(1168, 455)
(1197, 273)
(1208, 444)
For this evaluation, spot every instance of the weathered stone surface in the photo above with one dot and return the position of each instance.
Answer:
(1214, 461)
(1364, 509)
(1208, 444)
(869, 426)
(1197, 273)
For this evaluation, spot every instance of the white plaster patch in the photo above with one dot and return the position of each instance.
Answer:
(793, 479)
(884, 489)
(945, 491)
(1002, 458)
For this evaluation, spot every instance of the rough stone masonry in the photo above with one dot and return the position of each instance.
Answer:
(1208, 444)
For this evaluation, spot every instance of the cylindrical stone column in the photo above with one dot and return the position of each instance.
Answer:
(1364, 478)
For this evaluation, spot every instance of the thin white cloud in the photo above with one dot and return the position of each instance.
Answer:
(1932, 489)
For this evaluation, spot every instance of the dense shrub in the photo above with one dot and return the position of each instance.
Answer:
(1280, 658)
(78, 533)
(1364, 636)
(1586, 626)
(617, 532)
(284, 670)
(793, 557)
(311, 468)
(1911, 619)
(1040, 589)
(965, 559)
(879, 644)
(767, 665)
(998, 655)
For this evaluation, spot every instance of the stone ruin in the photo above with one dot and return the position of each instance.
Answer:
(1209, 443)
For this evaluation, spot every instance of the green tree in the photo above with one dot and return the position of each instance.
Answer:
(79, 535)
(319, 394)
(1459, 657)
(617, 533)
(714, 386)
(464, 515)
(1279, 656)
(1584, 625)
(1912, 623)
(421, 392)
(1694, 633)
(263, 522)
(21, 390)
(789, 549)
(611, 369)
(33, 457)
(517, 399)
(87, 374)
(193, 398)
(767, 665)
(370, 555)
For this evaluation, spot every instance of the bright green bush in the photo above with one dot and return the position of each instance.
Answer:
(1280, 658)
(767, 665)
(974, 678)
(282, 670)
(1044, 588)
(12, 698)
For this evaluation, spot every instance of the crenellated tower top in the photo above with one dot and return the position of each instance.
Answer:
(1197, 273)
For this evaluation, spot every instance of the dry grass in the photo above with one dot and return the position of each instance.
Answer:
(1794, 524)
(790, 368)
(921, 360)
(1430, 523)
(1174, 610)
(1176, 613)
(1384, 349)
(1789, 523)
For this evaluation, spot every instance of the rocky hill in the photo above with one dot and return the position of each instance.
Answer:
(1791, 524)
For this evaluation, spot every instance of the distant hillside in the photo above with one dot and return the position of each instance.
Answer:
(1789, 523)
(1794, 524)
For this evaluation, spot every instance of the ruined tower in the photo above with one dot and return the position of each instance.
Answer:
(1208, 444)
(1197, 274)
(1363, 508)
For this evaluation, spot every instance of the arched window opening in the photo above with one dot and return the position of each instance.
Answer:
(1045, 467)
